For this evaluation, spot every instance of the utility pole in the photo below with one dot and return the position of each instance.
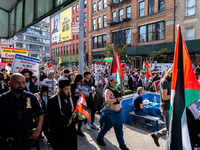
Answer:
(81, 37)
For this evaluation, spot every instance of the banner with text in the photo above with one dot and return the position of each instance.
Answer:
(75, 28)
(8, 54)
(25, 62)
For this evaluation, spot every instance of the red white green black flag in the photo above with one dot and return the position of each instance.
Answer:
(116, 69)
(185, 91)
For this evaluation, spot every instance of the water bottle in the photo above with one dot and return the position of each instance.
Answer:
(155, 99)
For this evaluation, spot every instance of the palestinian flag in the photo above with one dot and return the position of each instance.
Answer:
(108, 60)
(148, 76)
(59, 61)
(116, 69)
(185, 91)
(79, 108)
(157, 85)
(49, 64)
(151, 65)
(146, 65)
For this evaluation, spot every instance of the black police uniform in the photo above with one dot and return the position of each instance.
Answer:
(61, 137)
(16, 119)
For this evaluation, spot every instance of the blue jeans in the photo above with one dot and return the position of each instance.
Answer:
(111, 119)
(147, 111)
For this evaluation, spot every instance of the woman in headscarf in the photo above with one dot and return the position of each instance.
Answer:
(111, 115)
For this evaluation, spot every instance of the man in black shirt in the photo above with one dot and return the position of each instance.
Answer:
(90, 102)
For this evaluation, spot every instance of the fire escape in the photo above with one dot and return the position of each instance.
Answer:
(118, 18)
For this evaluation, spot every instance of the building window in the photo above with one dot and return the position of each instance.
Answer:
(104, 4)
(160, 33)
(161, 5)
(128, 36)
(73, 37)
(99, 42)
(151, 6)
(73, 48)
(104, 40)
(99, 22)
(76, 18)
(85, 31)
(94, 42)
(85, 17)
(121, 38)
(99, 5)
(61, 51)
(73, 19)
(76, 7)
(67, 49)
(76, 48)
(85, 3)
(114, 15)
(94, 24)
(70, 49)
(104, 20)
(189, 34)
(143, 34)
(190, 7)
(73, 9)
(151, 32)
(85, 47)
(121, 15)
(128, 12)
(56, 52)
(77, 36)
(141, 9)
(94, 7)
(115, 38)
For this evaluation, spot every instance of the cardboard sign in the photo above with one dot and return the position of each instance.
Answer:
(25, 62)
(84, 88)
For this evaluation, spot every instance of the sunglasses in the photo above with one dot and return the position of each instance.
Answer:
(115, 82)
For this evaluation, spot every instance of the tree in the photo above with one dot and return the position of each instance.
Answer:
(162, 56)
(108, 52)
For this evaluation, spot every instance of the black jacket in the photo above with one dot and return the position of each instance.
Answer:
(130, 83)
(193, 127)
(61, 136)
(32, 87)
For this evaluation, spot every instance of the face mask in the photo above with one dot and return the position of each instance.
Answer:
(99, 71)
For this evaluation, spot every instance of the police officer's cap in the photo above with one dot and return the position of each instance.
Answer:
(64, 82)
(25, 71)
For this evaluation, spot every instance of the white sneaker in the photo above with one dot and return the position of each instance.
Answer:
(161, 122)
(94, 126)
(87, 126)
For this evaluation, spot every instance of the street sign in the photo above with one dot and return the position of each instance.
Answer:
(75, 28)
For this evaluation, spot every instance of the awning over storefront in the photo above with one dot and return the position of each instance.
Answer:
(17, 15)
(192, 46)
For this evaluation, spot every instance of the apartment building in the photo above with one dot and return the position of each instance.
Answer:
(63, 44)
(142, 25)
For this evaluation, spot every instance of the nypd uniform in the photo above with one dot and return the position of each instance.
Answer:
(16, 119)
(3, 87)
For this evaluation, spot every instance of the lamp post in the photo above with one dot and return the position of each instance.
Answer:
(81, 37)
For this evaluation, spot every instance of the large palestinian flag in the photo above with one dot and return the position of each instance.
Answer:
(148, 76)
(116, 69)
(185, 91)
(146, 65)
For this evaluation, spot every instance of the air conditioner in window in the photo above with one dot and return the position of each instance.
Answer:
(142, 40)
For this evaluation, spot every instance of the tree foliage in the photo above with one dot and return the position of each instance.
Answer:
(162, 56)
(108, 52)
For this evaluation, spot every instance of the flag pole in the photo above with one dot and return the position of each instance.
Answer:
(122, 88)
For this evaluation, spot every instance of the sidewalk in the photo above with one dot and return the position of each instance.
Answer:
(136, 138)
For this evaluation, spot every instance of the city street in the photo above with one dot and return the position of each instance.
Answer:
(136, 137)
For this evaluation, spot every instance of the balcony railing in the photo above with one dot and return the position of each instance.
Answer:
(119, 19)
(31, 41)
(36, 35)
(112, 3)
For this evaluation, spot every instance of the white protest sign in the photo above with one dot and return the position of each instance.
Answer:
(25, 62)
(98, 67)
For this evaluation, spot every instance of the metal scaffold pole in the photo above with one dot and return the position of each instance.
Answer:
(81, 37)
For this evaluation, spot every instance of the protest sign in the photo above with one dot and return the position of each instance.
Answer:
(25, 62)
(81, 88)
(98, 67)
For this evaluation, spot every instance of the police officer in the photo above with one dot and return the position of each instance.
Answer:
(16, 116)
(3, 85)
(60, 112)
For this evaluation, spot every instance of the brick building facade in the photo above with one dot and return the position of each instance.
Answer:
(136, 23)
(68, 50)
